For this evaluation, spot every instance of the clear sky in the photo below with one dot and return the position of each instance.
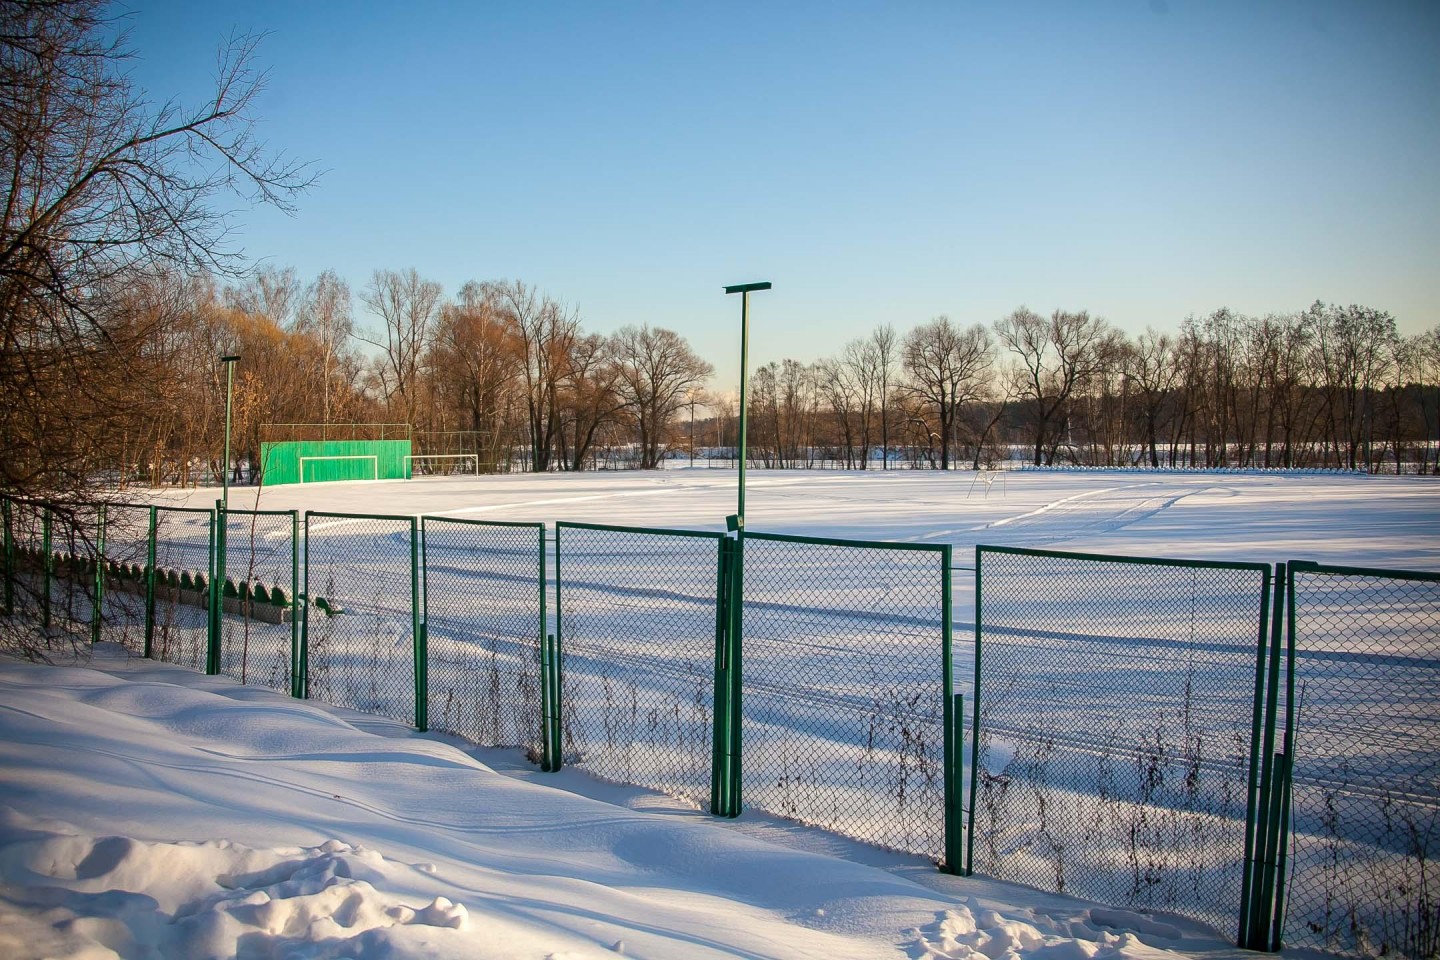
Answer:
(884, 162)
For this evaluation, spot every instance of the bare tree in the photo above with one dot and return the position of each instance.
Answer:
(1055, 355)
(886, 351)
(546, 333)
(408, 306)
(102, 191)
(946, 366)
(325, 314)
(657, 368)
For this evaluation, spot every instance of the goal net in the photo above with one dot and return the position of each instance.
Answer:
(441, 465)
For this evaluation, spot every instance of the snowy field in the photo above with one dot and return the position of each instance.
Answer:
(663, 617)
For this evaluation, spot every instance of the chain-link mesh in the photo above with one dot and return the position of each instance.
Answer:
(483, 591)
(843, 667)
(27, 526)
(257, 626)
(359, 624)
(127, 554)
(1117, 713)
(184, 539)
(1365, 856)
(637, 612)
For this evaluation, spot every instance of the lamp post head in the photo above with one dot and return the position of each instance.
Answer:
(747, 287)
(230, 358)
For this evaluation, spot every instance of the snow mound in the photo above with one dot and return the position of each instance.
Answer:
(64, 894)
(970, 931)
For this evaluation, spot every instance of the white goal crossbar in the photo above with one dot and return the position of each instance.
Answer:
(411, 457)
(373, 458)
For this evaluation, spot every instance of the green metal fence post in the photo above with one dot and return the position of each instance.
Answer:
(1263, 887)
(212, 652)
(150, 583)
(296, 690)
(6, 506)
(953, 706)
(418, 628)
(302, 684)
(974, 726)
(95, 608)
(735, 644)
(550, 672)
(549, 684)
(48, 566)
(1292, 725)
(719, 754)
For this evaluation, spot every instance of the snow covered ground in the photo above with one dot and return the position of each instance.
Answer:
(196, 817)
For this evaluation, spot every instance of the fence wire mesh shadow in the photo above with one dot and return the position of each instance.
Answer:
(123, 608)
(360, 635)
(1365, 856)
(259, 584)
(1117, 716)
(636, 611)
(484, 615)
(180, 622)
(845, 670)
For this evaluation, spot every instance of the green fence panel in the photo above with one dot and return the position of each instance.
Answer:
(485, 619)
(181, 621)
(361, 636)
(258, 626)
(1120, 728)
(28, 563)
(1364, 728)
(636, 615)
(126, 552)
(846, 678)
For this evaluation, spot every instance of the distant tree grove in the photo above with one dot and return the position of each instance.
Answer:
(118, 294)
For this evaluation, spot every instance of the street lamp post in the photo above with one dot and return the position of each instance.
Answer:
(217, 575)
(229, 360)
(725, 787)
(744, 289)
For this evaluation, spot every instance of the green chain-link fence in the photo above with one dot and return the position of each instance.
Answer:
(636, 615)
(179, 622)
(363, 644)
(484, 588)
(259, 629)
(127, 558)
(1365, 748)
(1120, 730)
(846, 688)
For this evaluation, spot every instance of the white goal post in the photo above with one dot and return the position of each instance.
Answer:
(373, 458)
(410, 459)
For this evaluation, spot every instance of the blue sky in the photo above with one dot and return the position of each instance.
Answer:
(877, 162)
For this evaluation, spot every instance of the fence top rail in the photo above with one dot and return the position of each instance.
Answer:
(397, 517)
(1310, 566)
(654, 531)
(525, 524)
(838, 542)
(263, 513)
(210, 511)
(1264, 568)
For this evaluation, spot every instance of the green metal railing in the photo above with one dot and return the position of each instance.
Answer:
(1122, 737)
(848, 690)
(1362, 872)
(363, 640)
(484, 610)
(636, 625)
